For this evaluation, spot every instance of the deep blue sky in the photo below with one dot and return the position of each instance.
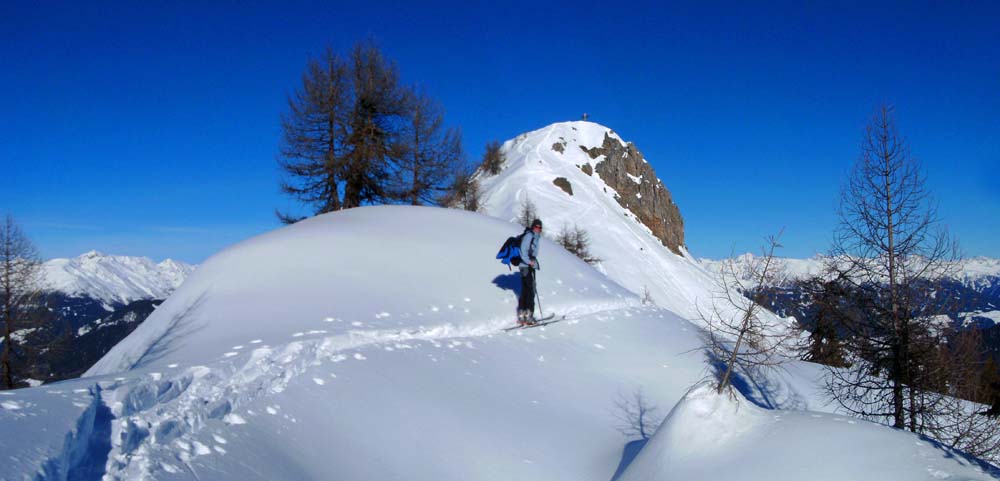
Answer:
(153, 130)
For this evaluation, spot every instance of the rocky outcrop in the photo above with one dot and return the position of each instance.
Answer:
(639, 190)
(563, 183)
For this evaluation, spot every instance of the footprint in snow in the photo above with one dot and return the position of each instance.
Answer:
(256, 341)
(937, 473)
(10, 405)
(231, 354)
(171, 366)
(219, 439)
(467, 299)
(381, 315)
(435, 309)
(359, 356)
(298, 334)
(329, 319)
(358, 323)
(201, 449)
(599, 346)
(319, 381)
(237, 348)
(219, 449)
(272, 411)
(233, 418)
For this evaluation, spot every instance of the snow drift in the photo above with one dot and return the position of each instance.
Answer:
(709, 436)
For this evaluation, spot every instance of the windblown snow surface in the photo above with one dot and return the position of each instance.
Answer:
(367, 345)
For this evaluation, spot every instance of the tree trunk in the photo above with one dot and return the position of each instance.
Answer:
(898, 364)
(8, 379)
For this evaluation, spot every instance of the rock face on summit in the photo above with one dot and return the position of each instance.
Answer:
(639, 189)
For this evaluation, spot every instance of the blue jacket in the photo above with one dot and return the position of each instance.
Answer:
(529, 247)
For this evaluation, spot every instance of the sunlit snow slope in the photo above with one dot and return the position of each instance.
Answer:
(391, 269)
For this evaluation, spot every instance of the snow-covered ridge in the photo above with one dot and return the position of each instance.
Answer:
(115, 279)
(631, 255)
(969, 272)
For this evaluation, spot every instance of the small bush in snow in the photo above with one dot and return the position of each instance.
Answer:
(577, 241)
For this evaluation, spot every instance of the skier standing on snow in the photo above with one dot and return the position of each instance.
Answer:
(529, 263)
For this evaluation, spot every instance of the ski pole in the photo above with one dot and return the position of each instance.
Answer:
(534, 284)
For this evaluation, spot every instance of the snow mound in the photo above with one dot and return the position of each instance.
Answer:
(115, 279)
(709, 436)
(390, 270)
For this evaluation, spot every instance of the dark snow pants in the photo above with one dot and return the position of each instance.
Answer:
(527, 300)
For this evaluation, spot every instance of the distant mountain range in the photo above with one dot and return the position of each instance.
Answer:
(94, 301)
(974, 286)
(115, 279)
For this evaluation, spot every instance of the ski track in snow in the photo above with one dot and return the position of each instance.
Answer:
(159, 417)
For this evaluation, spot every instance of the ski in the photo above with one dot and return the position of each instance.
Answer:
(544, 321)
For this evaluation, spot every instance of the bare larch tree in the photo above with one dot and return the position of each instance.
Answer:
(20, 292)
(353, 135)
(740, 334)
(428, 156)
(891, 251)
(493, 158)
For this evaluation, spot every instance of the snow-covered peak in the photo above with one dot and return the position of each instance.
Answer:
(631, 255)
(536, 150)
(114, 279)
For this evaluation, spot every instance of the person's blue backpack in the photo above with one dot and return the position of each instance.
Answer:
(510, 251)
